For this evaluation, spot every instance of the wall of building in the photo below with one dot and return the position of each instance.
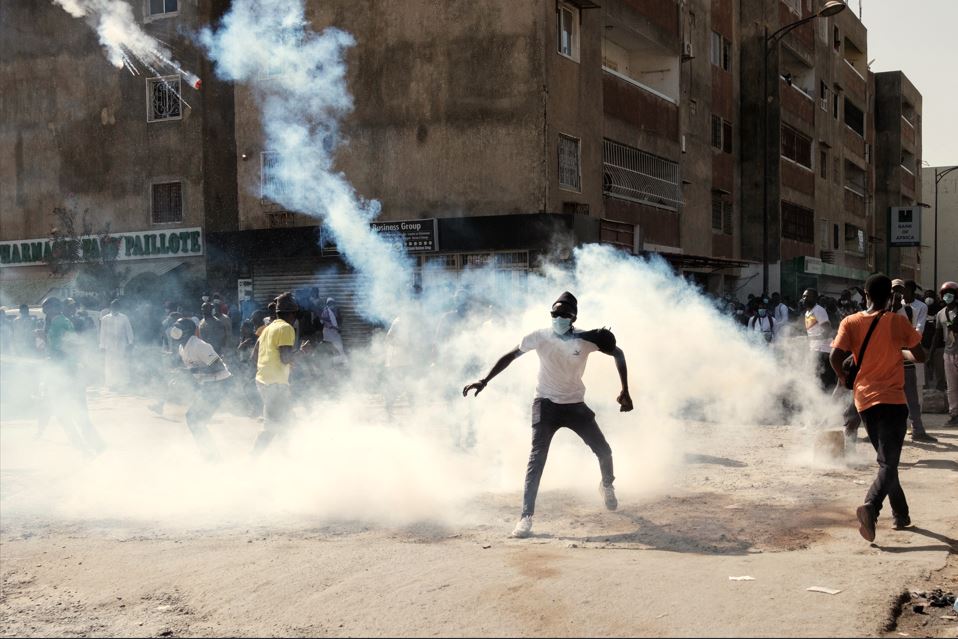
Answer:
(947, 232)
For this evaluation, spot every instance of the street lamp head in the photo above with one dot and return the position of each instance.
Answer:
(831, 8)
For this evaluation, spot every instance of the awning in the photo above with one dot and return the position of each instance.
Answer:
(684, 261)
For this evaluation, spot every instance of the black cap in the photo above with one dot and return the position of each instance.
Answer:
(566, 302)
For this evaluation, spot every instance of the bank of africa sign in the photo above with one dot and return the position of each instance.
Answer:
(138, 245)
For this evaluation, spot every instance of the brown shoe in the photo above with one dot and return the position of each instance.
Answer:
(867, 521)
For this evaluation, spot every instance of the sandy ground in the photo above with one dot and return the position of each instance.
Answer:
(756, 507)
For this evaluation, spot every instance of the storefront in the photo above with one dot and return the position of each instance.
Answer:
(139, 263)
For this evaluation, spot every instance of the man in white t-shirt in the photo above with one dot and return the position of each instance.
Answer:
(560, 397)
(210, 374)
(819, 330)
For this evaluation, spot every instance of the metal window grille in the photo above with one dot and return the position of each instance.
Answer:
(273, 187)
(798, 223)
(796, 146)
(716, 213)
(716, 131)
(569, 175)
(160, 7)
(631, 174)
(164, 97)
(167, 201)
(279, 220)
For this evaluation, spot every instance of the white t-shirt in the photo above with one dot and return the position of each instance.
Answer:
(817, 339)
(561, 364)
(197, 353)
(919, 314)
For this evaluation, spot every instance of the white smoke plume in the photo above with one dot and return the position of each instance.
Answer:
(390, 440)
(125, 42)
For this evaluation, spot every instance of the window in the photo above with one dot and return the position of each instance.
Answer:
(798, 223)
(721, 214)
(721, 134)
(834, 237)
(796, 147)
(163, 99)
(568, 31)
(823, 96)
(635, 175)
(823, 164)
(162, 7)
(854, 118)
(569, 176)
(167, 203)
(854, 239)
(836, 38)
(726, 55)
(272, 185)
(715, 49)
(835, 102)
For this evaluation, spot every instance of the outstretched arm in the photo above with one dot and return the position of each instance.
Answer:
(499, 366)
(624, 399)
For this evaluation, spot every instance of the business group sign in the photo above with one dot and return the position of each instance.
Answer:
(138, 245)
(904, 226)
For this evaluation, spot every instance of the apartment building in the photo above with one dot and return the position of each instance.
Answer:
(146, 160)
(820, 141)
(516, 132)
(898, 169)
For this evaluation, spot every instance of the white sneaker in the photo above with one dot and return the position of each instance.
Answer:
(523, 527)
(608, 495)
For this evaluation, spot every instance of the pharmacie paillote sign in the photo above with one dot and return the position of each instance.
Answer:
(117, 246)
(415, 236)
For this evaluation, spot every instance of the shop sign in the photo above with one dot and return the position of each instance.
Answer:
(415, 236)
(904, 226)
(117, 246)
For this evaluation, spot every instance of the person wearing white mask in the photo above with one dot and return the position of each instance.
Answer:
(946, 335)
(560, 397)
(762, 323)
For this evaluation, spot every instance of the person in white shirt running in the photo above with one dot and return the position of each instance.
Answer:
(210, 374)
(560, 394)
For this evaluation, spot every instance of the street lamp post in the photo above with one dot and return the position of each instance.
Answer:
(938, 177)
(830, 8)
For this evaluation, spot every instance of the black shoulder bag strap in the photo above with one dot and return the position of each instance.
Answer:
(868, 336)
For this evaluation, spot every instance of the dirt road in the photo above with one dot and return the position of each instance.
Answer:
(658, 566)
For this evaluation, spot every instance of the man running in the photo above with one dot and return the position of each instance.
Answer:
(210, 374)
(560, 394)
(879, 390)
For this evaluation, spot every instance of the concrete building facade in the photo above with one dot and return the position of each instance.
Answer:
(939, 226)
(146, 160)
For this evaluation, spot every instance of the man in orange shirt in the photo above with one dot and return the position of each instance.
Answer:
(879, 393)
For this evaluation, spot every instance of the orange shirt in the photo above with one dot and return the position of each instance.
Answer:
(882, 378)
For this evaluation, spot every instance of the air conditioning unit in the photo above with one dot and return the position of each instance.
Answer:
(828, 257)
(687, 53)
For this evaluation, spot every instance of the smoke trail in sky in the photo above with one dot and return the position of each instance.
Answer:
(300, 79)
(125, 42)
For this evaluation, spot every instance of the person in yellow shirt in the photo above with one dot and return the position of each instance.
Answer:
(274, 356)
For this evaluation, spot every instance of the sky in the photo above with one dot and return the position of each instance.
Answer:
(918, 37)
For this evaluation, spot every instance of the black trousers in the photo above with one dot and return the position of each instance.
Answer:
(886, 425)
(826, 376)
(547, 418)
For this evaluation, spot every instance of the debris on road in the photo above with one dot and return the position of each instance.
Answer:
(827, 591)
(742, 578)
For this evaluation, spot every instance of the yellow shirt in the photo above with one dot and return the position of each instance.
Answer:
(270, 369)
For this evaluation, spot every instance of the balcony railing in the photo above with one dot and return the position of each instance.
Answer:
(632, 174)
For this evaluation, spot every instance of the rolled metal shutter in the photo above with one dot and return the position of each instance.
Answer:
(333, 280)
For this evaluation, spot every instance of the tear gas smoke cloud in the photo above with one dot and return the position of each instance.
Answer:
(126, 44)
(380, 444)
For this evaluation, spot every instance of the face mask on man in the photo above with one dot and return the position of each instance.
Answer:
(561, 325)
(206, 298)
(929, 301)
(948, 298)
(761, 312)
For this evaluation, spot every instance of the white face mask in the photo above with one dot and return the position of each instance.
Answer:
(948, 298)
(206, 298)
(176, 333)
(929, 301)
(561, 325)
